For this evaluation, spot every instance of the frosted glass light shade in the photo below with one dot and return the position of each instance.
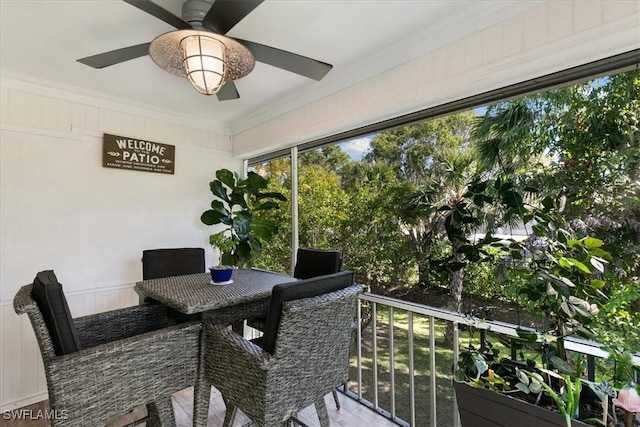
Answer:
(168, 52)
(204, 63)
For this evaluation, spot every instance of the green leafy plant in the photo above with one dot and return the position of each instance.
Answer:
(237, 207)
(562, 276)
(474, 368)
(559, 274)
(566, 400)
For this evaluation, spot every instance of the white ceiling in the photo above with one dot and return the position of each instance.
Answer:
(41, 40)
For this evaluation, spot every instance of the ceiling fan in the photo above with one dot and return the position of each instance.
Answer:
(203, 25)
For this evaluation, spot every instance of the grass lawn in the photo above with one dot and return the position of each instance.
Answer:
(444, 366)
(422, 373)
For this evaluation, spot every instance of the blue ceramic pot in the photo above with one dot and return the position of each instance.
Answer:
(221, 273)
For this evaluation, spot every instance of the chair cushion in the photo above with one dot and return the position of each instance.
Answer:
(157, 263)
(299, 290)
(48, 294)
(311, 262)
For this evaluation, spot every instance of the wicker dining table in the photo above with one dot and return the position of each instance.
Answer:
(230, 304)
(248, 294)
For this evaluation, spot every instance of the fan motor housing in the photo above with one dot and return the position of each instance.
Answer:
(194, 11)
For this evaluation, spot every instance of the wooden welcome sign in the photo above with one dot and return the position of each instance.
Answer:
(122, 152)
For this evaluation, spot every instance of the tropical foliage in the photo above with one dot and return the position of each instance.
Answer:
(423, 206)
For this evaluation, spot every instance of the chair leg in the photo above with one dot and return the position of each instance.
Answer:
(229, 415)
(201, 397)
(335, 398)
(321, 409)
(152, 416)
(161, 413)
(201, 393)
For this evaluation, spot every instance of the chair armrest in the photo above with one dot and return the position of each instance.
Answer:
(127, 372)
(102, 328)
(221, 338)
(22, 301)
(170, 336)
(233, 363)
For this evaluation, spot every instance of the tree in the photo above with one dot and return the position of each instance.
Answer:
(410, 150)
(444, 208)
(276, 254)
(330, 157)
(351, 206)
(321, 205)
(430, 159)
(372, 240)
(590, 138)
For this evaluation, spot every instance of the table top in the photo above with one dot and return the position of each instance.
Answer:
(194, 293)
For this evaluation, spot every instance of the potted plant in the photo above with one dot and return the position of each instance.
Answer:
(562, 277)
(236, 207)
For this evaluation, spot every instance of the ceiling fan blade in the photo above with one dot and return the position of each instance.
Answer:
(289, 61)
(228, 91)
(117, 56)
(225, 14)
(154, 10)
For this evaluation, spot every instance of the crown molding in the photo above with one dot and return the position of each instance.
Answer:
(30, 84)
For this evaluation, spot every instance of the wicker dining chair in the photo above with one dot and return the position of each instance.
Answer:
(167, 262)
(310, 262)
(158, 263)
(309, 357)
(313, 262)
(105, 364)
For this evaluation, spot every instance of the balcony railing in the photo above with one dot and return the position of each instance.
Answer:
(400, 370)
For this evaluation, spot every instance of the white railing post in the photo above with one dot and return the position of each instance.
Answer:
(359, 349)
(456, 353)
(412, 388)
(374, 332)
(392, 368)
(432, 364)
(433, 314)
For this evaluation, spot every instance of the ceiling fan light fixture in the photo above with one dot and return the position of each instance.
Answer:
(204, 63)
(208, 60)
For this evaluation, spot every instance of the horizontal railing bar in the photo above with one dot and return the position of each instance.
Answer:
(590, 348)
(571, 343)
(439, 313)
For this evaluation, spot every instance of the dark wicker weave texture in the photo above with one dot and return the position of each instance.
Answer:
(193, 293)
(129, 358)
(311, 358)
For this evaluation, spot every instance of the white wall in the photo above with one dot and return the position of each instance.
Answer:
(550, 37)
(61, 210)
